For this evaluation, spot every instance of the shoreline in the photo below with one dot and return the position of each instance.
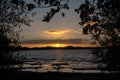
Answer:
(24, 75)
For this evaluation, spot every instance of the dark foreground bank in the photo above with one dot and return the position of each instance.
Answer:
(20, 75)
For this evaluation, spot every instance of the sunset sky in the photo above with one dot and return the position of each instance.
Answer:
(58, 28)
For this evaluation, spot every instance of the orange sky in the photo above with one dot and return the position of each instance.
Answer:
(58, 45)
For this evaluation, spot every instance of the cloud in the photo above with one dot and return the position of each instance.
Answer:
(57, 32)
(78, 30)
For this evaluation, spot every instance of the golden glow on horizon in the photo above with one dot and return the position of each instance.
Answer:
(58, 45)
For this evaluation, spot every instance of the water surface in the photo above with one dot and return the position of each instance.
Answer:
(81, 58)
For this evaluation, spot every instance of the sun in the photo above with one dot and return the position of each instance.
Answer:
(57, 45)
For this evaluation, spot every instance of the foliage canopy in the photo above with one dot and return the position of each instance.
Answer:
(101, 18)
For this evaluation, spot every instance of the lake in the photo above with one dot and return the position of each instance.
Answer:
(77, 58)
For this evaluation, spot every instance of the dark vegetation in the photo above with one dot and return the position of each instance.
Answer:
(49, 47)
(100, 18)
(57, 76)
(13, 14)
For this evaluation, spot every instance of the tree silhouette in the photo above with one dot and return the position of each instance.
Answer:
(100, 18)
(55, 7)
(13, 14)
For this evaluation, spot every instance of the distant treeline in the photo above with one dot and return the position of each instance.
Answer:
(49, 47)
